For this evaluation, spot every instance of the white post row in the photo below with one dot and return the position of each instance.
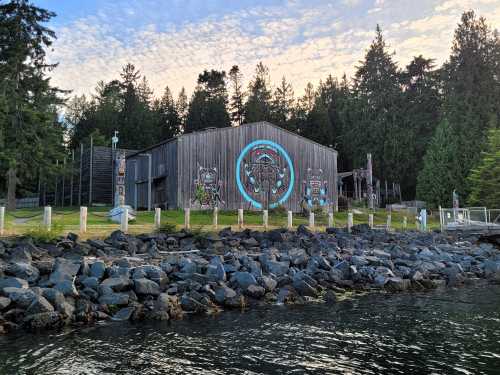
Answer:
(83, 220)
(2, 220)
(405, 223)
(290, 220)
(47, 218)
(389, 219)
(350, 221)
(240, 218)
(124, 220)
(157, 218)
(370, 221)
(216, 217)
(331, 223)
(187, 218)
(311, 220)
(265, 218)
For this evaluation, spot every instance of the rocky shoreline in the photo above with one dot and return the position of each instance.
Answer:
(163, 276)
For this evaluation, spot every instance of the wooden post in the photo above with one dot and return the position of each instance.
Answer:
(350, 221)
(91, 169)
(124, 220)
(311, 220)
(240, 218)
(80, 178)
(405, 223)
(370, 221)
(265, 218)
(157, 218)
(83, 219)
(216, 217)
(2, 220)
(187, 218)
(441, 219)
(63, 195)
(389, 219)
(57, 183)
(369, 181)
(331, 224)
(72, 177)
(290, 220)
(47, 218)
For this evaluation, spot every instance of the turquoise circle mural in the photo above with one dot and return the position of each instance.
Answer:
(265, 174)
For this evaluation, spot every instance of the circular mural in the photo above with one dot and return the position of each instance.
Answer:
(264, 174)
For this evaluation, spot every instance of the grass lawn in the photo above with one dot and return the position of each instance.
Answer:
(66, 220)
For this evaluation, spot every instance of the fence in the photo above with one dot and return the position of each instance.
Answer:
(23, 202)
(470, 217)
(97, 221)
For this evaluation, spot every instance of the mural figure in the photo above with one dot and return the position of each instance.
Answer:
(208, 188)
(315, 190)
(264, 174)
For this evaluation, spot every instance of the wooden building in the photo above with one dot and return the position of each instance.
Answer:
(257, 165)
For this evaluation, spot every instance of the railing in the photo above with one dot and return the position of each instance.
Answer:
(463, 218)
(31, 202)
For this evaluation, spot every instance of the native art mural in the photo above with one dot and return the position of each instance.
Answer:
(207, 188)
(120, 179)
(315, 190)
(264, 174)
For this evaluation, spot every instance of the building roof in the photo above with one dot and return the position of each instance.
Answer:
(225, 129)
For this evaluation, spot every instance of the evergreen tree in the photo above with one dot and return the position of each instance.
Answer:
(484, 180)
(236, 104)
(258, 104)
(31, 135)
(282, 105)
(182, 108)
(208, 104)
(168, 118)
(439, 171)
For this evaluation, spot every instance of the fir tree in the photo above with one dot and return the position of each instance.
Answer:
(283, 104)
(236, 104)
(258, 104)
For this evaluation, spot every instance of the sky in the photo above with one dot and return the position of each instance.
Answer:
(172, 41)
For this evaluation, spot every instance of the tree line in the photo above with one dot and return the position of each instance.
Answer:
(426, 126)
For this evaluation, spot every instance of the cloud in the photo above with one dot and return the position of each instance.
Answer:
(303, 42)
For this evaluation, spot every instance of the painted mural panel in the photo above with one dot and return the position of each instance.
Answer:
(315, 188)
(207, 188)
(264, 174)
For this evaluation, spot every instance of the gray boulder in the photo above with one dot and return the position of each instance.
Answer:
(64, 270)
(97, 269)
(39, 305)
(278, 268)
(117, 284)
(67, 288)
(41, 321)
(298, 257)
(119, 299)
(24, 271)
(268, 283)
(224, 293)
(13, 282)
(255, 291)
(146, 287)
(244, 279)
(216, 272)
(123, 314)
(4, 303)
(20, 296)
(91, 282)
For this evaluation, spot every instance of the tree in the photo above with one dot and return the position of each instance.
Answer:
(439, 171)
(282, 105)
(236, 104)
(258, 104)
(484, 181)
(32, 136)
(168, 119)
(207, 107)
(182, 108)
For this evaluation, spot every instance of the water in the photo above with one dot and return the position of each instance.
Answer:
(449, 332)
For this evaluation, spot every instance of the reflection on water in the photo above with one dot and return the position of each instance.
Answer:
(452, 332)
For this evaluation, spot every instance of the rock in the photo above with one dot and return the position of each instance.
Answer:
(91, 282)
(123, 314)
(268, 283)
(54, 296)
(396, 284)
(39, 305)
(67, 288)
(255, 291)
(24, 271)
(119, 299)
(190, 304)
(97, 269)
(302, 229)
(22, 253)
(43, 320)
(64, 270)
(188, 266)
(224, 293)
(330, 297)
(13, 282)
(4, 303)
(20, 296)
(278, 268)
(244, 279)
(250, 242)
(117, 284)
(146, 287)
(304, 289)
(216, 272)
(298, 256)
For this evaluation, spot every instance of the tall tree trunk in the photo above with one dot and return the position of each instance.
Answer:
(11, 188)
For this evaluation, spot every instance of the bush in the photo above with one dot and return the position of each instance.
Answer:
(42, 235)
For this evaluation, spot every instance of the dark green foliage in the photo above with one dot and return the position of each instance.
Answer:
(484, 181)
(236, 104)
(258, 104)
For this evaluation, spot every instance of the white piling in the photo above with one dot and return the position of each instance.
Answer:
(47, 218)
(83, 219)
(216, 217)
(124, 220)
(405, 223)
(350, 220)
(157, 218)
(240, 218)
(187, 218)
(331, 223)
(290, 220)
(2, 220)
(265, 218)
(311, 220)
(370, 221)
(388, 225)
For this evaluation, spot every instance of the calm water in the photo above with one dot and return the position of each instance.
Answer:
(451, 332)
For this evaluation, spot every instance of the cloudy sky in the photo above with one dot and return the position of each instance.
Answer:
(171, 41)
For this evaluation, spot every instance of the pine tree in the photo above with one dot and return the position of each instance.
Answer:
(168, 119)
(182, 107)
(283, 104)
(32, 136)
(484, 181)
(258, 104)
(236, 104)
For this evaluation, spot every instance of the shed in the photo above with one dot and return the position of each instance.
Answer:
(257, 165)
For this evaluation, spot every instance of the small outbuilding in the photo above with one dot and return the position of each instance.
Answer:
(257, 165)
